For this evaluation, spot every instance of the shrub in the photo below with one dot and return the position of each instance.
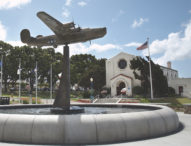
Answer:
(171, 91)
(138, 96)
(107, 89)
(34, 101)
(86, 94)
(25, 100)
(138, 90)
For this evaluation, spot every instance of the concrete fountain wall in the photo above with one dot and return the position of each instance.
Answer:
(88, 129)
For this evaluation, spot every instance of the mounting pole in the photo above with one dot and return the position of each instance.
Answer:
(151, 81)
(62, 99)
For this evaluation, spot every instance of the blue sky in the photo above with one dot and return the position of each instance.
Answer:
(129, 22)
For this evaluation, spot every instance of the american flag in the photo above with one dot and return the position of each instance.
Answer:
(143, 46)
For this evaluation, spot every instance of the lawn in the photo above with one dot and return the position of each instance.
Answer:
(175, 102)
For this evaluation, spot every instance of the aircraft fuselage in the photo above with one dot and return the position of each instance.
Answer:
(74, 36)
(64, 33)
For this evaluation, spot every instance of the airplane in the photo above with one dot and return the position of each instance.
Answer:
(64, 33)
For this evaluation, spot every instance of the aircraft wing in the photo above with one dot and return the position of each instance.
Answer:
(56, 26)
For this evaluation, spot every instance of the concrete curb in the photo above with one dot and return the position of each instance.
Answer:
(88, 129)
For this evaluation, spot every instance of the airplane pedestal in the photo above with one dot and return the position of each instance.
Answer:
(62, 99)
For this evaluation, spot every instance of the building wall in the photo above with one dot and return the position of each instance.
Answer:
(116, 81)
(169, 73)
(112, 70)
(185, 83)
(115, 75)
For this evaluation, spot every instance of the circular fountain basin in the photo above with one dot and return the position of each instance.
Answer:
(93, 128)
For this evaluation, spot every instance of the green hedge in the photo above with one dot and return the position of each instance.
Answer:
(171, 91)
(138, 90)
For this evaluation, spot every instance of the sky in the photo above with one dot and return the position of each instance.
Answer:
(167, 24)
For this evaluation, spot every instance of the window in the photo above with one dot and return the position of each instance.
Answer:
(122, 64)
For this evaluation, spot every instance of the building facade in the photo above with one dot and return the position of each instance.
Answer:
(120, 76)
(168, 72)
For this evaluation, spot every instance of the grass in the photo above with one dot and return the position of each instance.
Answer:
(175, 102)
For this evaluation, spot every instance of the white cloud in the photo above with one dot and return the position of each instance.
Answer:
(80, 48)
(68, 2)
(133, 44)
(8, 4)
(138, 23)
(82, 3)
(176, 47)
(66, 13)
(103, 48)
(3, 32)
(119, 14)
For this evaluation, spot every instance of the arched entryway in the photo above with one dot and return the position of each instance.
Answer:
(119, 82)
(120, 87)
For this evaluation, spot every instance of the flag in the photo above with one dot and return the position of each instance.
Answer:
(35, 70)
(143, 46)
(19, 71)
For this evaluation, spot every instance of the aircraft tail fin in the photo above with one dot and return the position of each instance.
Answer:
(25, 36)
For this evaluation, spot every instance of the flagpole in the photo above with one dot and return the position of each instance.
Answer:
(151, 83)
(51, 81)
(19, 80)
(1, 76)
(36, 81)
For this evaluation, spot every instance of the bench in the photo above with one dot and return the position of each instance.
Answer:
(4, 100)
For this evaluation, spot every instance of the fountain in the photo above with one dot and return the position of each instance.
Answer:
(98, 124)
(87, 128)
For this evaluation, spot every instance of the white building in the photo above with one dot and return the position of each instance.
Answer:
(119, 76)
(182, 86)
(170, 73)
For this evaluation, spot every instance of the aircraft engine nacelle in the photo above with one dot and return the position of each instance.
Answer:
(39, 36)
(25, 36)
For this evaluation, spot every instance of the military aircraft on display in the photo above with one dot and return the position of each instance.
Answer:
(64, 33)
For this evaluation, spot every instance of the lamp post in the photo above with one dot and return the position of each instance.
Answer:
(1, 74)
(36, 80)
(91, 96)
(19, 73)
(51, 81)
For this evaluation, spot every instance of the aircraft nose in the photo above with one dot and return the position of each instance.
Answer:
(104, 30)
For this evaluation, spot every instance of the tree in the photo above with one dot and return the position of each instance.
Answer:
(160, 85)
(85, 66)
(171, 91)
(29, 56)
(80, 65)
(97, 72)
(4, 52)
